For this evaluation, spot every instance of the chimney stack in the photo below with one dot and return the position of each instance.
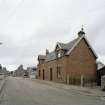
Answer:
(47, 51)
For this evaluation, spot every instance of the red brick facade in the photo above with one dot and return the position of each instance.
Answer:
(70, 68)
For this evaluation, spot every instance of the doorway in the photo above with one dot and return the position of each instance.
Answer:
(43, 74)
(51, 74)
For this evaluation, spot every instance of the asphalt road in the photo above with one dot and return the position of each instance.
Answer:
(20, 91)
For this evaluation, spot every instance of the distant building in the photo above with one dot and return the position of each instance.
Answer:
(100, 65)
(3, 70)
(69, 62)
(32, 72)
(0, 68)
(19, 72)
(100, 72)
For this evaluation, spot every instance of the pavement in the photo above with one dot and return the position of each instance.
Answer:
(90, 91)
(2, 83)
(23, 91)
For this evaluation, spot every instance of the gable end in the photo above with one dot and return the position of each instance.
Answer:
(87, 42)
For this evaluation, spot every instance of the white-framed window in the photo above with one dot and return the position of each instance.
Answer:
(59, 54)
(58, 72)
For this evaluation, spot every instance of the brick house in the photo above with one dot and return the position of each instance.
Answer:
(69, 62)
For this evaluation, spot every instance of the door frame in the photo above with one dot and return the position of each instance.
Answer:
(43, 74)
(51, 74)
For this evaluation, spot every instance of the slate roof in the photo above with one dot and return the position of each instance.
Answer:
(68, 47)
(41, 57)
(100, 65)
(52, 55)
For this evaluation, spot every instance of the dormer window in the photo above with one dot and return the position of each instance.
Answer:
(59, 54)
(41, 59)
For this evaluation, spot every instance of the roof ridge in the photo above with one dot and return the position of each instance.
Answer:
(68, 42)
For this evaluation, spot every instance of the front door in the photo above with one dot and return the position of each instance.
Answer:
(43, 75)
(51, 74)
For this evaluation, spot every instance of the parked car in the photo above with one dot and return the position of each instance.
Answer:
(26, 74)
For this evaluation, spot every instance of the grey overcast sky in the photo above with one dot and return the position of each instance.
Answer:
(28, 27)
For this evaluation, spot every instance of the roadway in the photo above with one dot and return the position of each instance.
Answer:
(20, 91)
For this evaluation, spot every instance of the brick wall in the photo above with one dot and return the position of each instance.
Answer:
(81, 62)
